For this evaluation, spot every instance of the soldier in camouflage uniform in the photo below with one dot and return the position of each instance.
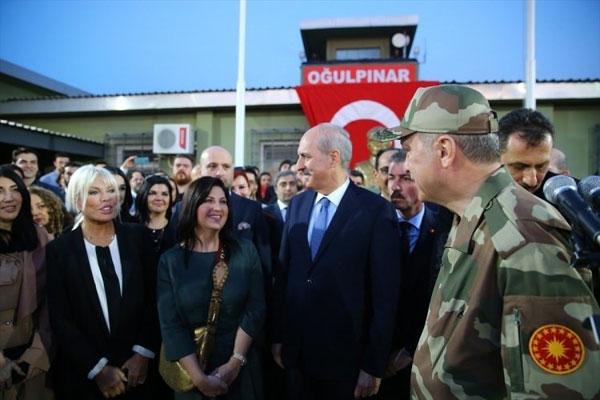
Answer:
(506, 318)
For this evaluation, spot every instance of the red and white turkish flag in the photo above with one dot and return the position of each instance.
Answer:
(358, 108)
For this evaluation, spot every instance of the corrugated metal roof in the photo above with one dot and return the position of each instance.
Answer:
(26, 75)
(496, 82)
(267, 97)
(91, 96)
(257, 89)
(47, 131)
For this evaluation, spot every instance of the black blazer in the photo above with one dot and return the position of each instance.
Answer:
(78, 324)
(249, 223)
(335, 315)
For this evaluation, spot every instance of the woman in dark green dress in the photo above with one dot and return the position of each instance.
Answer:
(185, 283)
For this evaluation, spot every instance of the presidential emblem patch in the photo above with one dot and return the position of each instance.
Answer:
(556, 349)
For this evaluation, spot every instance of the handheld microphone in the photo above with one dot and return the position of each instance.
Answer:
(589, 187)
(561, 191)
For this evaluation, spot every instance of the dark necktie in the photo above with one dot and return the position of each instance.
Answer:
(111, 285)
(319, 226)
(284, 213)
(405, 237)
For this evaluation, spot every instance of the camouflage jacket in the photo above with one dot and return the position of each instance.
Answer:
(507, 311)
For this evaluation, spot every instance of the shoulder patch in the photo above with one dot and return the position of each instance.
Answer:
(556, 349)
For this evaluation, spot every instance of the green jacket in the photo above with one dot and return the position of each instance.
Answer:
(506, 315)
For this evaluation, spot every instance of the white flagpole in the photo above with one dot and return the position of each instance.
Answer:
(240, 103)
(530, 56)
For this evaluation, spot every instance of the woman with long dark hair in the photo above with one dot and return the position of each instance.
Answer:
(101, 296)
(25, 331)
(210, 263)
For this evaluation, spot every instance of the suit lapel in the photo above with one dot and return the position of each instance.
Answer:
(88, 279)
(276, 212)
(423, 248)
(304, 219)
(426, 231)
(342, 215)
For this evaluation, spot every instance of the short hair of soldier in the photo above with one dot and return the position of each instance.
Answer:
(332, 137)
(479, 149)
(283, 174)
(532, 125)
(398, 156)
(380, 153)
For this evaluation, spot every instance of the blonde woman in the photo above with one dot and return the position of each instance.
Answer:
(100, 297)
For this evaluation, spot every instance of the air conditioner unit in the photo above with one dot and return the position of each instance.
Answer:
(173, 139)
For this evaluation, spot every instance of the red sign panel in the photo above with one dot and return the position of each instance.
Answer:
(336, 74)
(183, 137)
(358, 108)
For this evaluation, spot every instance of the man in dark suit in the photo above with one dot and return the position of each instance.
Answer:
(248, 220)
(423, 232)
(337, 288)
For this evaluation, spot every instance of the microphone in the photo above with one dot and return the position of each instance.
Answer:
(561, 191)
(589, 187)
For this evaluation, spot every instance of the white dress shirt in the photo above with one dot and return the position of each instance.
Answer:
(101, 292)
(335, 198)
(283, 209)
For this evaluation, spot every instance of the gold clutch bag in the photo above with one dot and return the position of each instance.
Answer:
(173, 372)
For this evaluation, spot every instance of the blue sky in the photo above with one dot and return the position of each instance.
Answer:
(123, 46)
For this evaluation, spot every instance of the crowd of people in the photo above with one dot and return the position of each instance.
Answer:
(436, 269)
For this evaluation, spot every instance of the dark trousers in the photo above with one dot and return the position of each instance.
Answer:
(303, 387)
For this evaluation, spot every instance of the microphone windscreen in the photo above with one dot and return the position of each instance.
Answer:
(588, 186)
(554, 185)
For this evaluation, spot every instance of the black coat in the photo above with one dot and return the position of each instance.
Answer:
(80, 332)
(419, 273)
(249, 223)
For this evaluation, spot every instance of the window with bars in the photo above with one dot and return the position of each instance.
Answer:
(274, 152)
